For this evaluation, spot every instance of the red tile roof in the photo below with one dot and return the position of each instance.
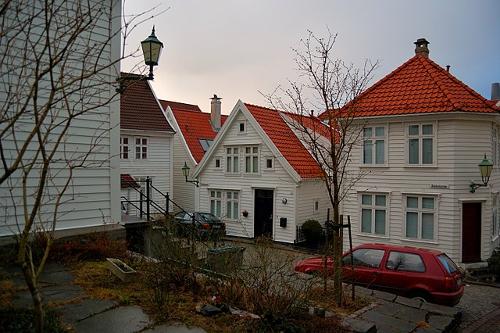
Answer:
(286, 141)
(139, 109)
(418, 86)
(194, 125)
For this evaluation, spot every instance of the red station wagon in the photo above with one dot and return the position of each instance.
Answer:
(403, 270)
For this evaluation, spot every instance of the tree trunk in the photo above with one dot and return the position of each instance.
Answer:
(337, 253)
(36, 296)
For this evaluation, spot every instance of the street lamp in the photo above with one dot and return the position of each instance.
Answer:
(485, 167)
(151, 48)
(185, 172)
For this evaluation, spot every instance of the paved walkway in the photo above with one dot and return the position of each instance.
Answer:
(86, 314)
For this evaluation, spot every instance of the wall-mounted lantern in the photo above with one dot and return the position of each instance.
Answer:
(485, 168)
(185, 172)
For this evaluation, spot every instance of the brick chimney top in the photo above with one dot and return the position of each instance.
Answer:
(215, 112)
(421, 47)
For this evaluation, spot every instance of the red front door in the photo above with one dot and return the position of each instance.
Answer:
(471, 232)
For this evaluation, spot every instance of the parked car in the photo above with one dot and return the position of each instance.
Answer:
(403, 270)
(206, 225)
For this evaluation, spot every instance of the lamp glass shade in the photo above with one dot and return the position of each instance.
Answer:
(185, 170)
(151, 48)
(485, 167)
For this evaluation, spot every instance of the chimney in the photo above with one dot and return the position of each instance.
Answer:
(421, 47)
(495, 91)
(215, 117)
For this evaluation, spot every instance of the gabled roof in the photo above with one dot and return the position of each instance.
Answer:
(417, 86)
(285, 140)
(194, 126)
(139, 108)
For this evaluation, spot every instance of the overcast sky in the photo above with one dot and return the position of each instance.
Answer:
(237, 48)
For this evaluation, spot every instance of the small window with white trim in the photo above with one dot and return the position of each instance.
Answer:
(269, 163)
(242, 127)
(216, 202)
(232, 160)
(217, 163)
(251, 159)
(374, 214)
(420, 219)
(315, 206)
(141, 148)
(232, 205)
(374, 145)
(421, 150)
(124, 147)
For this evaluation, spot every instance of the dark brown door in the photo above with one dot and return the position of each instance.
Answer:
(263, 213)
(471, 232)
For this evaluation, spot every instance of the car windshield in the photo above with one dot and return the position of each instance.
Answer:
(447, 263)
(208, 217)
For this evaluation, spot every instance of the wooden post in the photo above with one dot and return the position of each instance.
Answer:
(353, 295)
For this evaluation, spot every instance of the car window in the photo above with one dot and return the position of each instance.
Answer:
(447, 263)
(409, 262)
(365, 257)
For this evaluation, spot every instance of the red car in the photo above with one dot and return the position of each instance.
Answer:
(403, 270)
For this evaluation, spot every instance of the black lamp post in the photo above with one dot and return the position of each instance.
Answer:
(485, 167)
(151, 48)
(185, 172)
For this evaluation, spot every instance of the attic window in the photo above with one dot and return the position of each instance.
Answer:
(242, 127)
(205, 144)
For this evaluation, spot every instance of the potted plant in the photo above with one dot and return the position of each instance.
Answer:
(123, 271)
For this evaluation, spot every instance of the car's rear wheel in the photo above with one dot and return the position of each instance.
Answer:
(420, 295)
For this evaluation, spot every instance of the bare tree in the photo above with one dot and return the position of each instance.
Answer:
(329, 86)
(59, 61)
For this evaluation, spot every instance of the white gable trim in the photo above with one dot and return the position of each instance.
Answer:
(240, 107)
(168, 111)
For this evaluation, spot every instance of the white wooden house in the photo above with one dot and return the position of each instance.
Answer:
(92, 199)
(424, 134)
(195, 132)
(146, 146)
(259, 177)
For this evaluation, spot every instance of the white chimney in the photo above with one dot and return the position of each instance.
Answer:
(215, 112)
(495, 91)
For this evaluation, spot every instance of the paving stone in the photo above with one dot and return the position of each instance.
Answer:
(426, 330)
(57, 277)
(51, 293)
(441, 323)
(125, 319)
(413, 302)
(388, 324)
(359, 325)
(174, 328)
(72, 313)
(383, 295)
(442, 310)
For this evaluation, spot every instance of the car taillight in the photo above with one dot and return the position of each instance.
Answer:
(451, 283)
(205, 226)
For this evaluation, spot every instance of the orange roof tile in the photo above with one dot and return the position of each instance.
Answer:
(194, 125)
(139, 108)
(417, 86)
(286, 141)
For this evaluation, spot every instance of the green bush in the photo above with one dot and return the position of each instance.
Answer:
(313, 231)
(494, 263)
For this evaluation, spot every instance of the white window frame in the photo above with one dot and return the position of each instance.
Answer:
(420, 138)
(143, 148)
(244, 127)
(251, 156)
(373, 138)
(230, 160)
(232, 204)
(122, 147)
(215, 196)
(272, 163)
(315, 207)
(373, 207)
(419, 210)
(495, 218)
(218, 158)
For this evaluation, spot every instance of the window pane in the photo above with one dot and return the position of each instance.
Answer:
(368, 257)
(380, 222)
(228, 164)
(229, 195)
(212, 207)
(219, 194)
(379, 131)
(427, 129)
(255, 164)
(428, 203)
(412, 202)
(367, 152)
(228, 150)
(405, 262)
(247, 164)
(247, 150)
(236, 194)
(212, 193)
(235, 210)
(413, 151)
(367, 132)
(269, 163)
(380, 200)
(366, 199)
(411, 225)
(413, 130)
(255, 150)
(427, 151)
(228, 210)
(427, 226)
(366, 220)
(379, 152)
(235, 164)
(137, 141)
(144, 141)
(235, 150)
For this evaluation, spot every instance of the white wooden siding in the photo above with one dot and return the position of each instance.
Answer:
(278, 180)
(92, 197)
(307, 193)
(461, 144)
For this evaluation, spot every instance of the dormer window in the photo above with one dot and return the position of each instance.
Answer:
(205, 144)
